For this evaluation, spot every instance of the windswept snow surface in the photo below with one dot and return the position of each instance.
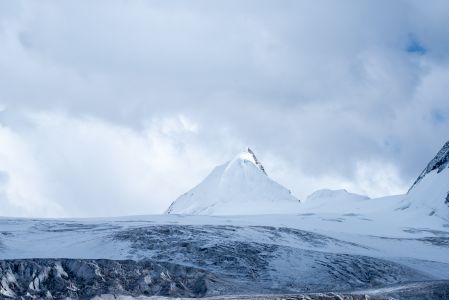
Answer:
(411, 291)
(239, 187)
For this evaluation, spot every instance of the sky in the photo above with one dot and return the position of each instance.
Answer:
(112, 108)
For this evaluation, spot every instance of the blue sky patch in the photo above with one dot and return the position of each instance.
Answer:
(438, 116)
(414, 46)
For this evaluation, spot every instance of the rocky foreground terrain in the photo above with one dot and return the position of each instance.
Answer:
(108, 279)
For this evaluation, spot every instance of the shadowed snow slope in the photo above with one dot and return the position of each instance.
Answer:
(239, 187)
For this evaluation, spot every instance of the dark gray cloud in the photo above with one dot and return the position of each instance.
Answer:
(331, 94)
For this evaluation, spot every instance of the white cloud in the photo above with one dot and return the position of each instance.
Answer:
(137, 100)
(58, 165)
(22, 186)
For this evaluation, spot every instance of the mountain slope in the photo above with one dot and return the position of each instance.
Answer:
(239, 187)
(429, 194)
(438, 164)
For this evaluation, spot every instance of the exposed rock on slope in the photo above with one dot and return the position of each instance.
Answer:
(438, 163)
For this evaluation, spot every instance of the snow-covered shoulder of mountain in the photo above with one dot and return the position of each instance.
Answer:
(239, 187)
(333, 195)
(334, 201)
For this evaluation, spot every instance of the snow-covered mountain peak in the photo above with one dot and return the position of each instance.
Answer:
(239, 187)
(438, 163)
(245, 157)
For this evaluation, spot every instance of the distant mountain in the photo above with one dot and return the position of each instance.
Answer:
(238, 187)
(334, 201)
(430, 192)
(334, 195)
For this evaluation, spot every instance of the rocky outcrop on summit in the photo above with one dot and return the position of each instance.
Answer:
(256, 161)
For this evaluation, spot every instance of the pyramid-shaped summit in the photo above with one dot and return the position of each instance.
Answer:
(238, 187)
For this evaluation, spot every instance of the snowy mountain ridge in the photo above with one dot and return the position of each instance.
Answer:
(253, 158)
(439, 163)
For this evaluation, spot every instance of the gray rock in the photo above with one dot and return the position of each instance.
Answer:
(84, 279)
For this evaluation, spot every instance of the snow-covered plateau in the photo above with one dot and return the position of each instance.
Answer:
(241, 235)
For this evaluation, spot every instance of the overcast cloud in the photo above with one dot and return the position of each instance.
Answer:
(117, 107)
